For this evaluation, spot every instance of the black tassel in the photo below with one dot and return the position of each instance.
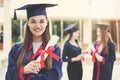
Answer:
(15, 16)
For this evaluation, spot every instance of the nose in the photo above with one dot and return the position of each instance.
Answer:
(38, 25)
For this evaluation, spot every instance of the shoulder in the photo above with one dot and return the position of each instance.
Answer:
(110, 43)
(15, 50)
(16, 47)
(56, 47)
(66, 43)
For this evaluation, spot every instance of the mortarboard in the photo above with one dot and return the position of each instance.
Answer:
(71, 28)
(100, 24)
(104, 26)
(34, 9)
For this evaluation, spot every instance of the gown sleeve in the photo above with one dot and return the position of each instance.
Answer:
(110, 60)
(112, 56)
(12, 70)
(65, 53)
(55, 73)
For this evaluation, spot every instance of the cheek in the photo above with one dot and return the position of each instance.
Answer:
(31, 28)
(45, 24)
(75, 35)
(99, 34)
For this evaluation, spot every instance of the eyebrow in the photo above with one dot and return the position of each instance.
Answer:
(35, 20)
(32, 20)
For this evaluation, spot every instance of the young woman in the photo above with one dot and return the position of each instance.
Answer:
(22, 64)
(72, 53)
(104, 54)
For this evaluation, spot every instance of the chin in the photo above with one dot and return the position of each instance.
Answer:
(37, 35)
(76, 39)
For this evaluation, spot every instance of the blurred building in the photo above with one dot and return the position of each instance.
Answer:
(86, 12)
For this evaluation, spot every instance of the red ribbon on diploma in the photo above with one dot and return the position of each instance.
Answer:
(50, 51)
(41, 52)
(96, 52)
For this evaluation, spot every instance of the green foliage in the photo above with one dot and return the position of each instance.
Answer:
(15, 30)
(1, 33)
(56, 27)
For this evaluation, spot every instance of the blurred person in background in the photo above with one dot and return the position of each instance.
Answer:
(72, 53)
(103, 54)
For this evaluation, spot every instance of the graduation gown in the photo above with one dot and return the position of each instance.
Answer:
(103, 71)
(74, 69)
(13, 72)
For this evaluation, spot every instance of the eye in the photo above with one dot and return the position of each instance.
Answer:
(42, 21)
(33, 21)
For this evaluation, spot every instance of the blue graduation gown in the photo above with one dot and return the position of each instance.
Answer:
(107, 68)
(13, 72)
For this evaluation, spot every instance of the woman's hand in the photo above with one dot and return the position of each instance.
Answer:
(78, 58)
(32, 67)
(98, 57)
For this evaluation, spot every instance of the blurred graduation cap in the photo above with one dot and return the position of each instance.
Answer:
(103, 26)
(34, 9)
(71, 28)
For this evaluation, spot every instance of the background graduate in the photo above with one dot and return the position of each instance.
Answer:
(103, 55)
(72, 53)
(22, 63)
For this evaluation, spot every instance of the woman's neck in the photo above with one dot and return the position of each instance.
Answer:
(99, 39)
(37, 39)
(72, 41)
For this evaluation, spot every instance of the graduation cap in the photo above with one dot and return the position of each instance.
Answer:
(72, 28)
(104, 27)
(34, 9)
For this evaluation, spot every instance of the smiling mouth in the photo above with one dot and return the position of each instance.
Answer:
(37, 30)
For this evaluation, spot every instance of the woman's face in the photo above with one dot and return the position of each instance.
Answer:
(98, 32)
(76, 35)
(37, 25)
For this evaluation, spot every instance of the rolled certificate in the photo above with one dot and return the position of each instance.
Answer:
(90, 48)
(51, 42)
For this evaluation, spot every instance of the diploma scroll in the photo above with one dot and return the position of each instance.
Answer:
(51, 42)
(90, 48)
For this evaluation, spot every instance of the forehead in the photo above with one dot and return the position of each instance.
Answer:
(76, 31)
(39, 17)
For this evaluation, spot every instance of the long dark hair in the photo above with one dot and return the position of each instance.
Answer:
(28, 38)
(70, 36)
